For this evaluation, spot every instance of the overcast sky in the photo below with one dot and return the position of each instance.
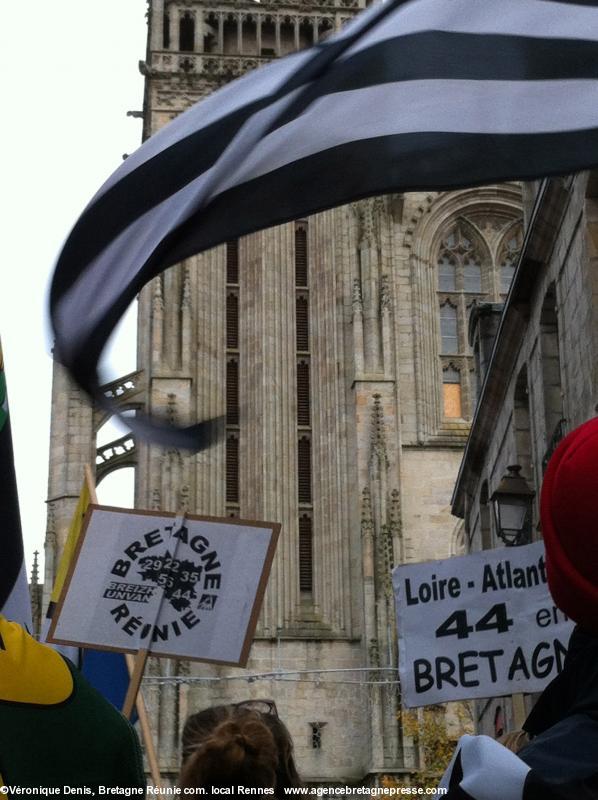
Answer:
(69, 75)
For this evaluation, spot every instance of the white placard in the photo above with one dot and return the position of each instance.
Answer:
(187, 589)
(482, 625)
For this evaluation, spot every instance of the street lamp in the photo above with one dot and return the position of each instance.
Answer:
(512, 504)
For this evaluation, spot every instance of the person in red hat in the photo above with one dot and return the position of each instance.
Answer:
(561, 760)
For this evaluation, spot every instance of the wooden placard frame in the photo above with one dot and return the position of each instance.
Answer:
(274, 527)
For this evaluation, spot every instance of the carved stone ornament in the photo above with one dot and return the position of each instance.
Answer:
(378, 455)
(357, 299)
(367, 519)
(385, 293)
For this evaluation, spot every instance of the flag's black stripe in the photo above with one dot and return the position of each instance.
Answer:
(403, 162)
(419, 161)
(568, 787)
(11, 543)
(456, 773)
(425, 55)
(444, 55)
(575, 2)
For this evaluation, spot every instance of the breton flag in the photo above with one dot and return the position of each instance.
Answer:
(559, 764)
(426, 94)
(15, 603)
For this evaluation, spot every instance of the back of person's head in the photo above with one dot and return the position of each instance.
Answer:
(240, 751)
(286, 773)
(199, 726)
(238, 745)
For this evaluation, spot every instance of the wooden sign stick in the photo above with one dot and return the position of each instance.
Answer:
(134, 691)
(146, 733)
(136, 675)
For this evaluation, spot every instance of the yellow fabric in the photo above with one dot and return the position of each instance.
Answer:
(71, 542)
(30, 672)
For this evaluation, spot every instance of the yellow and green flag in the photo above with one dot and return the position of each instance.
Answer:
(69, 547)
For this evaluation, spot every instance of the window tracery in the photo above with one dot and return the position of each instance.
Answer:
(460, 263)
(473, 264)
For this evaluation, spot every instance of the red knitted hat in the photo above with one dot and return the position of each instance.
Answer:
(569, 514)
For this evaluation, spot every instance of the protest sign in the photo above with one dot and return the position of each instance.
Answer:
(188, 587)
(481, 625)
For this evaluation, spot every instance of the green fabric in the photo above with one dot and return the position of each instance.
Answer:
(84, 741)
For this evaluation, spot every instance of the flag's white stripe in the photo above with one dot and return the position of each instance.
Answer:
(490, 771)
(230, 98)
(532, 18)
(17, 607)
(453, 106)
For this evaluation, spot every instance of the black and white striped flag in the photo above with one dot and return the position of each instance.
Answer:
(560, 765)
(427, 94)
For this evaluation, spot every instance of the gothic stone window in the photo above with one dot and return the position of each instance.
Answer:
(232, 379)
(166, 31)
(187, 32)
(316, 734)
(472, 264)
(304, 447)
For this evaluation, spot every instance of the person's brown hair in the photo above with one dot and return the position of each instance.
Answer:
(237, 745)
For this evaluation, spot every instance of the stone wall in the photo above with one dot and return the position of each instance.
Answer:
(542, 378)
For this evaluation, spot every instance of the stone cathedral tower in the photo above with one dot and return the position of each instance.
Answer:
(336, 349)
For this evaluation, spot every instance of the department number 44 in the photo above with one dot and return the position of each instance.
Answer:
(456, 624)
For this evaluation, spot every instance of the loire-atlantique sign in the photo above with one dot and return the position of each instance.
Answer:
(189, 588)
(481, 625)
